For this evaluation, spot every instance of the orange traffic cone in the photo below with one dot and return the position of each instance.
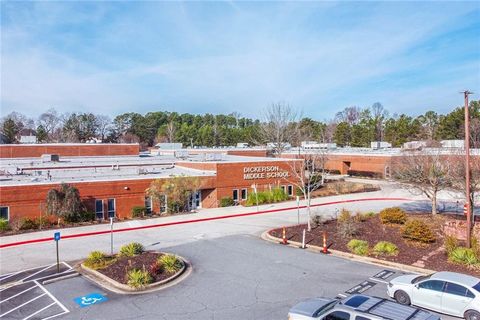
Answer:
(325, 248)
(284, 236)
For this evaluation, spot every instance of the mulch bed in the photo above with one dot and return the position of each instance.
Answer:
(118, 270)
(373, 231)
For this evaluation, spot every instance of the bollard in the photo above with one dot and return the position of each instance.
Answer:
(325, 248)
(303, 239)
(284, 236)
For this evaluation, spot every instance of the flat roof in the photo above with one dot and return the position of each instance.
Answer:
(388, 152)
(33, 171)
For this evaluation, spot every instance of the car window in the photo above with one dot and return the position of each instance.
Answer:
(470, 294)
(337, 315)
(477, 287)
(435, 285)
(455, 289)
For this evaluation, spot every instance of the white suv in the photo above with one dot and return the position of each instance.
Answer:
(451, 293)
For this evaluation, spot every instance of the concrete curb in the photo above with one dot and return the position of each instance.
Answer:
(345, 255)
(114, 286)
(68, 276)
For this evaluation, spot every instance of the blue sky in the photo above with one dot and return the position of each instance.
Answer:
(221, 57)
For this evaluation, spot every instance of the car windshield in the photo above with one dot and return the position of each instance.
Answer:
(477, 287)
(420, 278)
(324, 309)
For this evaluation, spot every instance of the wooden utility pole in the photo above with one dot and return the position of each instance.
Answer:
(467, 170)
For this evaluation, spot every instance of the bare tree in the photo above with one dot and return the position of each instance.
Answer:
(350, 115)
(457, 174)
(50, 121)
(280, 126)
(104, 124)
(423, 171)
(379, 115)
(309, 175)
(170, 131)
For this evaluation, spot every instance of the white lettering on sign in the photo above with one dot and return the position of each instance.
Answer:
(264, 172)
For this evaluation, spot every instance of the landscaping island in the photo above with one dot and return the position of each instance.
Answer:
(393, 235)
(133, 269)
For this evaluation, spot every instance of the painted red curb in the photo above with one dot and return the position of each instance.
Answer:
(166, 224)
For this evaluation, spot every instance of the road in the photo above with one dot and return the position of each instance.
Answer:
(234, 277)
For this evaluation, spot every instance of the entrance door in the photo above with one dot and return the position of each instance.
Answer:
(345, 167)
(195, 201)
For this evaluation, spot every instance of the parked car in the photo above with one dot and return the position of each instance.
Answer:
(356, 307)
(451, 293)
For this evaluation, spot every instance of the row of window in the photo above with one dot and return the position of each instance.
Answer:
(99, 208)
(244, 192)
(447, 287)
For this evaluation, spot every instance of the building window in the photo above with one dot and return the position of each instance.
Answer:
(290, 190)
(244, 194)
(283, 189)
(4, 213)
(111, 208)
(148, 205)
(235, 195)
(99, 209)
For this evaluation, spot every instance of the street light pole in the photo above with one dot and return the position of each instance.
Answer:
(467, 170)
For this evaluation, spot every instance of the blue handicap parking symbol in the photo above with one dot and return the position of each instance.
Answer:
(89, 299)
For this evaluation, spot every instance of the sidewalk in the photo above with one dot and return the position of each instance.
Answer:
(204, 214)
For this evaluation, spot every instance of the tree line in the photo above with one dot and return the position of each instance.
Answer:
(353, 126)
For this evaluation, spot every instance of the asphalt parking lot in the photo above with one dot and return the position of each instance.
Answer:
(234, 277)
(23, 295)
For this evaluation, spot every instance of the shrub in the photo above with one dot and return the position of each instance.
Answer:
(393, 215)
(28, 224)
(359, 247)
(87, 216)
(4, 226)
(366, 174)
(227, 202)
(138, 279)
(464, 256)
(131, 249)
(347, 229)
(417, 230)
(98, 260)
(344, 216)
(275, 195)
(451, 243)
(278, 195)
(385, 248)
(170, 263)
(155, 268)
(371, 214)
(361, 217)
(138, 211)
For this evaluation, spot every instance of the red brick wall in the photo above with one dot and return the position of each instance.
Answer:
(29, 201)
(67, 150)
(248, 153)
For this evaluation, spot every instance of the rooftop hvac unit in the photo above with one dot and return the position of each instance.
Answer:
(212, 157)
(50, 158)
(182, 154)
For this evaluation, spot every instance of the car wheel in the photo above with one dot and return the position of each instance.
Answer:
(403, 298)
(472, 315)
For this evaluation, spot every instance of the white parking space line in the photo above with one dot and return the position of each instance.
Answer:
(56, 315)
(38, 311)
(34, 286)
(17, 307)
(52, 297)
(31, 275)
(378, 280)
(342, 295)
(68, 266)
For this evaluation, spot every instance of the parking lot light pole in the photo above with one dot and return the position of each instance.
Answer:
(111, 236)
(467, 169)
